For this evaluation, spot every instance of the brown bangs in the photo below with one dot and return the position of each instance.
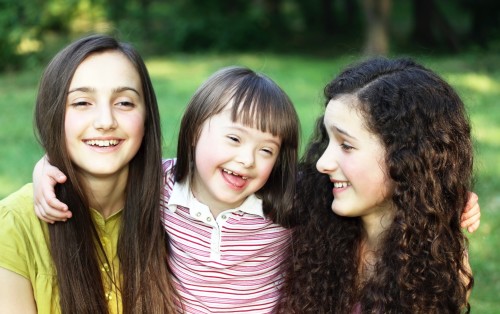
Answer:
(259, 103)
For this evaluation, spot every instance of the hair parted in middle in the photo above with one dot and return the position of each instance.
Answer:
(256, 101)
(145, 281)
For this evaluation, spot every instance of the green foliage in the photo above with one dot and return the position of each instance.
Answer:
(29, 28)
(219, 25)
(27, 25)
(11, 13)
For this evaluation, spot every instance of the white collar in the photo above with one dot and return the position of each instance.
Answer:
(182, 196)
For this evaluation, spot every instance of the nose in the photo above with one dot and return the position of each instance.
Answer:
(327, 163)
(246, 157)
(104, 117)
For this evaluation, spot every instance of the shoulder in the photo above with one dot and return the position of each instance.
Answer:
(17, 215)
(19, 202)
(168, 165)
(23, 237)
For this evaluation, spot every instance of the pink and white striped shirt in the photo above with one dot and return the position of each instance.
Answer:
(232, 263)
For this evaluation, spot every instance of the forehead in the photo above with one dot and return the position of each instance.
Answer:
(107, 69)
(344, 114)
(224, 121)
(343, 111)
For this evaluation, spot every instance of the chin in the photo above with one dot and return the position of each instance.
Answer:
(342, 211)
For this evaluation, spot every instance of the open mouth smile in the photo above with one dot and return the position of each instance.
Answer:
(102, 143)
(234, 174)
(341, 184)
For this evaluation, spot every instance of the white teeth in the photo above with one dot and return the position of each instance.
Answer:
(234, 174)
(102, 143)
(341, 184)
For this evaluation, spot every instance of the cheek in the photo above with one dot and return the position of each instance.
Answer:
(133, 126)
(203, 148)
(207, 157)
(73, 125)
(137, 128)
(267, 168)
(376, 181)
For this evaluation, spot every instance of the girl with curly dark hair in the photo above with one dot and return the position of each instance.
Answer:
(395, 158)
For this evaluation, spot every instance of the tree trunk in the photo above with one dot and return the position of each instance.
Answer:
(327, 17)
(377, 28)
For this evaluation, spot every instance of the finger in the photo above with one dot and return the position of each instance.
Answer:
(56, 175)
(55, 215)
(56, 210)
(471, 212)
(48, 191)
(474, 226)
(49, 199)
(56, 205)
(470, 221)
(47, 212)
(41, 215)
(471, 202)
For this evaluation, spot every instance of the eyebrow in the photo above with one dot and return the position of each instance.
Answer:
(115, 90)
(344, 132)
(341, 131)
(239, 128)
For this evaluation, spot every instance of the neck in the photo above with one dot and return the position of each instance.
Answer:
(215, 206)
(107, 195)
(375, 224)
(374, 227)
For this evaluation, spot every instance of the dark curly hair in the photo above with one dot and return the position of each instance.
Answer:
(422, 263)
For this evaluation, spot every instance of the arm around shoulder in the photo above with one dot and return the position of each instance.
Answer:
(16, 293)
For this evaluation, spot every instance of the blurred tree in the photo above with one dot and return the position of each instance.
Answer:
(159, 26)
(431, 28)
(325, 23)
(23, 25)
(485, 20)
(18, 22)
(377, 13)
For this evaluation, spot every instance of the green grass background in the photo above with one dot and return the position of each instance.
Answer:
(475, 76)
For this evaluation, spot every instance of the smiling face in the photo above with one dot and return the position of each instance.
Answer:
(232, 160)
(105, 114)
(354, 161)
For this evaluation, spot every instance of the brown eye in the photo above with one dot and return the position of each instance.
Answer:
(233, 138)
(268, 151)
(346, 147)
(125, 104)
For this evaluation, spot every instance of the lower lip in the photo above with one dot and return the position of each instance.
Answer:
(340, 190)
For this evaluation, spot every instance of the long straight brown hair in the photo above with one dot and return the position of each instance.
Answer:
(145, 281)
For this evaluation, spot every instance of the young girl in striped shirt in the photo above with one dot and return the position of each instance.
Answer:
(228, 194)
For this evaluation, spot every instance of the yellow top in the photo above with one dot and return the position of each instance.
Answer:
(25, 249)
